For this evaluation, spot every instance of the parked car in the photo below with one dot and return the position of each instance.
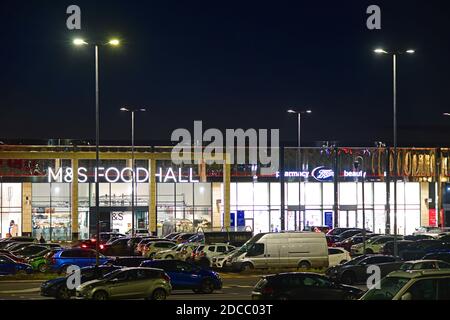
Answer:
(57, 288)
(418, 249)
(139, 232)
(283, 250)
(428, 231)
(14, 246)
(127, 261)
(373, 245)
(140, 247)
(337, 231)
(8, 266)
(323, 229)
(412, 285)
(171, 235)
(331, 240)
(302, 286)
(221, 261)
(349, 242)
(187, 251)
(204, 253)
(442, 256)
(349, 233)
(128, 283)
(196, 238)
(117, 247)
(62, 259)
(169, 254)
(8, 241)
(418, 237)
(32, 250)
(12, 256)
(152, 248)
(108, 236)
(183, 237)
(184, 275)
(337, 256)
(134, 241)
(40, 262)
(424, 265)
(355, 270)
(388, 247)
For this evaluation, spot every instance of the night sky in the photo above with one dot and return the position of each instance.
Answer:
(232, 64)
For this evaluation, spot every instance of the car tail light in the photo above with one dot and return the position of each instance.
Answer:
(165, 277)
(53, 261)
(84, 246)
(267, 290)
(102, 247)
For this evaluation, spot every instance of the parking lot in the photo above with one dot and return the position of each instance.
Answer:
(187, 266)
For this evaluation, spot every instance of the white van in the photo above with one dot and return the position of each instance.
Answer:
(283, 250)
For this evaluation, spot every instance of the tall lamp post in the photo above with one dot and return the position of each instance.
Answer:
(133, 175)
(356, 165)
(114, 43)
(299, 124)
(394, 65)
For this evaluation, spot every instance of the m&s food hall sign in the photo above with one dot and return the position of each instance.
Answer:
(125, 175)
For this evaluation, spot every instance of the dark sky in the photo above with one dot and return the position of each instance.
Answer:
(232, 64)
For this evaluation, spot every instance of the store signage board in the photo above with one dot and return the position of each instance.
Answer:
(322, 174)
(115, 175)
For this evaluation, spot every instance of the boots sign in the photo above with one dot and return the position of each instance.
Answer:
(113, 175)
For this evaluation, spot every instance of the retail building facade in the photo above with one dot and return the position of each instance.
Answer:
(49, 191)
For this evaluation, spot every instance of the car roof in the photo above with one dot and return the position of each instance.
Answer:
(412, 274)
(422, 261)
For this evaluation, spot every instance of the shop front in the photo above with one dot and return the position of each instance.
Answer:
(52, 192)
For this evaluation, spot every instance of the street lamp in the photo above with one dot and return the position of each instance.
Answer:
(81, 42)
(299, 116)
(356, 163)
(394, 59)
(299, 119)
(133, 175)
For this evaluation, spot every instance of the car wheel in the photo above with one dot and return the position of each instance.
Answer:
(207, 286)
(348, 278)
(100, 295)
(304, 265)
(42, 268)
(247, 267)
(63, 294)
(169, 257)
(159, 294)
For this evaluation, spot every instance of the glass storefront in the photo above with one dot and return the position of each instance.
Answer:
(38, 193)
(10, 209)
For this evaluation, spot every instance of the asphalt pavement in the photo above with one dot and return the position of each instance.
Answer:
(235, 287)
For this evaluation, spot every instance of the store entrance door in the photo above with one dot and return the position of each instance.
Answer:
(348, 217)
(117, 219)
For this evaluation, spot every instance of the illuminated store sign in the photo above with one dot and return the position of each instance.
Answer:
(321, 174)
(113, 175)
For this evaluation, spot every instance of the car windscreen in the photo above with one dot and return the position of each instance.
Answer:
(354, 261)
(389, 287)
(112, 274)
